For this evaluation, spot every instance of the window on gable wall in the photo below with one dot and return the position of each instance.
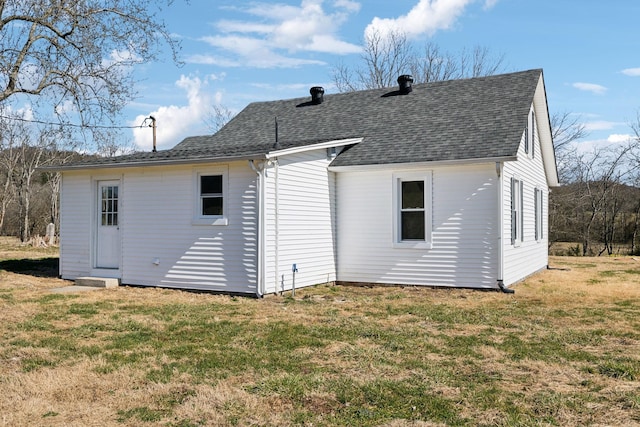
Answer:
(529, 134)
(517, 220)
(532, 133)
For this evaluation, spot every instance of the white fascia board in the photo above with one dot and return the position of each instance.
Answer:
(544, 134)
(151, 163)
(328, 144)
(420, 165)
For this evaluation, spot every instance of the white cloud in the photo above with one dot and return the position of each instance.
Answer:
(590, 87)
(600, 125)
(610, 142)
(348, 5)
(253, 52)
(64, 107)
(212, 60)
(175, 122)
(633, 72)
(279, 31)
(221, 76)
(25, 112)
(619, 138)
(488, 4)
(427, 17)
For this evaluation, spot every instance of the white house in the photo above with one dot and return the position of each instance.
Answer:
(438, 184)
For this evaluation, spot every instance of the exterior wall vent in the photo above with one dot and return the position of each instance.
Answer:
(405, 82)
(317, 94)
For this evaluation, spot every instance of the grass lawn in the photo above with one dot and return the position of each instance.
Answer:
(563, 350)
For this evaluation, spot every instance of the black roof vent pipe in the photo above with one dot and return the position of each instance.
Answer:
(405, 81)
(317, 94)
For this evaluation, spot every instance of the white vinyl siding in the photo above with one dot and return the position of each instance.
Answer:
(464, 237)
(76, 202)
(161, 246)
(531, 255)
(300, 221)
(165, 248)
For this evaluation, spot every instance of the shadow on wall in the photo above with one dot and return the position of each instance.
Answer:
(204, 266)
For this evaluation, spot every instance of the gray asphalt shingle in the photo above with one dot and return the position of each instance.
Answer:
(464, 119)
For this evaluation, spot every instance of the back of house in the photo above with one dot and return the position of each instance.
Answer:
(437, 184)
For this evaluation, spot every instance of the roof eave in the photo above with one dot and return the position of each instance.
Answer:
(420, 165)
(152, 163)
(545, 133)
(321, 145)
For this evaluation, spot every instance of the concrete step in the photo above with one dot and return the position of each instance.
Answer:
(97, 282)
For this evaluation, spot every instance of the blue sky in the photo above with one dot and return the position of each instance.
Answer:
(237, 52)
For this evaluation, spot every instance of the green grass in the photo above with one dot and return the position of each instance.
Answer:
(209, 350)
(341, 356)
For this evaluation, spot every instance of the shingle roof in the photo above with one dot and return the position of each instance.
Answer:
(476, 118)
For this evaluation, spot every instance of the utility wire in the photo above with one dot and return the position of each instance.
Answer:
(70, 124)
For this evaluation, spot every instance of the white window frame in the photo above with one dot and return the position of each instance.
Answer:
(529, 134)
(532, 133)
(198, 217)
(517, 217)
(539, 209)
(398, 179)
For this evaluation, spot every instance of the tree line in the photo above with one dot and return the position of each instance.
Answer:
(29, 196)
(597, 208)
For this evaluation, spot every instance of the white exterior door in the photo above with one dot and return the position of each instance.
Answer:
(107, 225)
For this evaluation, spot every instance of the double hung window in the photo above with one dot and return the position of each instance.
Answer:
(412, 212)
(211, 199)
(517, 220)
(538, 200)
(211, 195)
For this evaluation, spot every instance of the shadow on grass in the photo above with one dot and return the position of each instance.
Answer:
(41, 267)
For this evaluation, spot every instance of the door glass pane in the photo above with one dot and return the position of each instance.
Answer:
(412, 194)
(412, 225)
(109, 206)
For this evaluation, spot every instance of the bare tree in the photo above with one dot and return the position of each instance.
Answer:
(10, 132)
(601, 174)
(635, 127)
(566, 128)
(33, 153)
(386, 56)
(77, 56)
(217, 117)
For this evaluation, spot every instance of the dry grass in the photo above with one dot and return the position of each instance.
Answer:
(563, 350)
